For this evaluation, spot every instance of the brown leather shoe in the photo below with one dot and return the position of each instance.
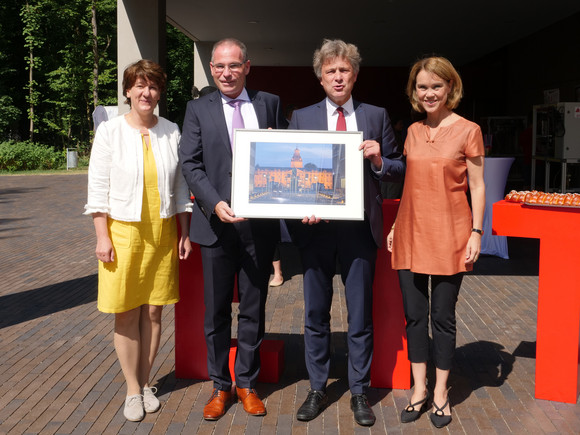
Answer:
(217, 404)
(252, 403)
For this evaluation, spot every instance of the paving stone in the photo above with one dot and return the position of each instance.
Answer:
(60, 374)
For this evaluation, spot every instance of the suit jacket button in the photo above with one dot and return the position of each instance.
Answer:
(230, 174)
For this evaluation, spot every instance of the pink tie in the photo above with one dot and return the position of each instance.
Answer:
(341, 122)
(237, 120)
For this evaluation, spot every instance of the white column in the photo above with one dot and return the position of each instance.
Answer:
(140, 35)
(201, 58)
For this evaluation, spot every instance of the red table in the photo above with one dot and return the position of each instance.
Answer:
(558, 321)
(390, 367)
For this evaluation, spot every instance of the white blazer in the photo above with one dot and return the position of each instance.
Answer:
(116, 171)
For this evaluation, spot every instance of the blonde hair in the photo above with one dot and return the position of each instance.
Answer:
(336, 48)
(442, 68)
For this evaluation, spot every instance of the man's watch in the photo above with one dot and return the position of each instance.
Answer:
(477, 230)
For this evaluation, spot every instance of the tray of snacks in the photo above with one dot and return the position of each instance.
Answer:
(543, 199)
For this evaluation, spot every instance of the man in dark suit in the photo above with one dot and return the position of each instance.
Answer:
(354, 243)
(230, 245)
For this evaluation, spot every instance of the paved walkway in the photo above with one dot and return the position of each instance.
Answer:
(59, 373)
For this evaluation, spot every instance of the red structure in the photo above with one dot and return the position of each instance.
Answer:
(190, 347)
(390, 368)
(558, 322)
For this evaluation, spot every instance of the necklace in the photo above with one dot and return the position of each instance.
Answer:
(431, 132)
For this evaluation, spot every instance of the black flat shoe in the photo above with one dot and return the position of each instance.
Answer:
(363, 413)
(438, 418)
(312, 406)
(413, 410)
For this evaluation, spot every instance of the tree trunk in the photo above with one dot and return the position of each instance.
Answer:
(30, 84)
(31, 94)
(95, 54)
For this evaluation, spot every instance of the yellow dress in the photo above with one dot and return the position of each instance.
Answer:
(145, 270)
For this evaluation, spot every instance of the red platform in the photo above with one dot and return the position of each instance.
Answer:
(558, 322)
(390, 367)
(190, 347)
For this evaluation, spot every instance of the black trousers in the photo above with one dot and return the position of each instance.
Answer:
(444, 293)
(245, 249)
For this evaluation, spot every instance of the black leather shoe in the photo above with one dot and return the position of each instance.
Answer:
(363, 413)
(312, 406)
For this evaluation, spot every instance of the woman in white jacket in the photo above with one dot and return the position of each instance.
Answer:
(135, 190)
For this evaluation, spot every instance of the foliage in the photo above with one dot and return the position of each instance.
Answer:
(9, 115)
(179, 73)
(33, 40)
(21, 156)
(69, 101)
(72, 60)
(11, 66)
(54, 41)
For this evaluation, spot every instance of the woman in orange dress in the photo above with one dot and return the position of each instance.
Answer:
(436, 234)
(135, 190)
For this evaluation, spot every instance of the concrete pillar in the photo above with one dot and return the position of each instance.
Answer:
(140, 35)
(201, 70)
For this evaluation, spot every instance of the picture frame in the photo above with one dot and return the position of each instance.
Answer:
(285, 174)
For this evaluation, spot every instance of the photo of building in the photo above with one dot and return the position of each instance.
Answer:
(319, 181)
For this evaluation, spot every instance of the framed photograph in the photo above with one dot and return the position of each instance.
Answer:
(297, 173)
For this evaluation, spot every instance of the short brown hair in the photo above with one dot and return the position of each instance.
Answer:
(336, 48)
(442, 68)
(144, 69)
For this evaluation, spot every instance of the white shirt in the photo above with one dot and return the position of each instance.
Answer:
(332, 115)
(247, 109)
(349, 116)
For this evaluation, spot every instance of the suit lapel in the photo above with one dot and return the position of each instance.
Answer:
(321, 118)
(259, 107)
(216, 111)
(361, 119)
(322, 115)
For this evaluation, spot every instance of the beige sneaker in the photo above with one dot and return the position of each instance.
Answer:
(134, 408)
(150, 402)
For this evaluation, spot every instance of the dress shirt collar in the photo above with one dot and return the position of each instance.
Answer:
(243, 96)
(331, 107)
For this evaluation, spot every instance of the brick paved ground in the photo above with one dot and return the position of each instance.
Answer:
(59, 372)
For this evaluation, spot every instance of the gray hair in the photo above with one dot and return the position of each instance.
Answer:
(231, 41)
(333, 48)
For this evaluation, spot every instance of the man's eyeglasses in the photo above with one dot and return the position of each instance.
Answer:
(220, 67)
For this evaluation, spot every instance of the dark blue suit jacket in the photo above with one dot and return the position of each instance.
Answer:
(375, 124)
(206, 156)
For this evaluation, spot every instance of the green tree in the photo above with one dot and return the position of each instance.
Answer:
(79, 55)
(179, 73)
(33, 40)
(12, 64)
(68, 50)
